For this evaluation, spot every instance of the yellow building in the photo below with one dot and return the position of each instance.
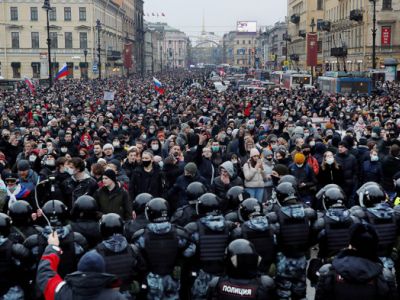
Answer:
(239, 49)
(23, 35)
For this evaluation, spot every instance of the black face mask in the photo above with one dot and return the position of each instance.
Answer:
(264, 143)
(275, 180)
(306, 153)
(146, 163)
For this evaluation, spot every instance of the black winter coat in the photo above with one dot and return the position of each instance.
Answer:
(146, 182)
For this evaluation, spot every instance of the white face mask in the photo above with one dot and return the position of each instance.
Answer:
(115, 144)
(312, 143)
(64, 150)
(374, 157)
(50, 163)
(154, 147)
(299, 165)
(330, 160)
(32, 158)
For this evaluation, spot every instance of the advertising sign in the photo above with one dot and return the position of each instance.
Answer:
(386, 35)
(247, 26)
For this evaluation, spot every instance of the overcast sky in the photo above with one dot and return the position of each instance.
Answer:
(220, 15)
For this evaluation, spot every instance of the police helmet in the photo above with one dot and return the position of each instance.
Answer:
(194, 191)
(85, 207)
(157, 210)
(285, 191)
(140, 202)
(56, 212)
(242, 259)
(288, 178)
(249, 209)
(236, 195)
(5, 225)
(208, 204)
(111, 224)
(373, 194)
(333, 196)
(20, 212)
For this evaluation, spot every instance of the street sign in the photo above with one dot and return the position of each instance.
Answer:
(94, 68)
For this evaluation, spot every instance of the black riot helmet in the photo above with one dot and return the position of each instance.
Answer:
(372, 194)
(236, 195)
(85, 207)
(242, 259)
(157, 210)
(194, 191)
(333, 196)
(285, 191)
(111, 224)
(140, 202)
(208, 204)
(56, 212)
(288, 178)
(5, 225)
(20, 212)
(249, 209)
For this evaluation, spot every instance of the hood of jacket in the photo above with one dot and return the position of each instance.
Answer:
(116, 243)
(215, 223)
(89, 284)
(228, 166)
(258, 223)
(354, 268)
(160, 228)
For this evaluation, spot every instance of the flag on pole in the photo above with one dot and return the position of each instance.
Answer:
(30, 85)
(158, 86)
(62, 72)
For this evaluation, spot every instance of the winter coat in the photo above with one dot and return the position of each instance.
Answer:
(146, 182)
(329, 175)
(253, 178)
(371, 171)
(350, 170)
(390, 166)
(114, 201)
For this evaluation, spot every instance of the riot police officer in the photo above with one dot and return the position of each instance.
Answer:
(121, 258)
(85, 219)
(294, 240)
(331, 228)
(22, 226)
(211, 234)
(257, 229)
(139, 221)
(14, 257)
(241, 280)
(376, 211)
(234, 196)
(187, 213)
(73, 244)
(162, 244)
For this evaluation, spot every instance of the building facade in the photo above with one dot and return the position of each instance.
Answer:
(240, 49)
(73, 37)
(272, 46)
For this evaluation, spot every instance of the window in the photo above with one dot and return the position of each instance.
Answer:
(387, 4)
(68, 40)
(16, 67)
(319, 47)
(283, 51)
(320, 4)
(14, 13)
(243, 42)
(83, 40)
(35, 40)
(67, 13)
(82, 13)
(35, 69)
(249, 42)
(237, 42)
(34, 14)
(54, 40)
(15, 40)
(53, 14)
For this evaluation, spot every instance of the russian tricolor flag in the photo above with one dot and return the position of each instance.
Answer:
(30, 85)
(62, 72)
(158, 86)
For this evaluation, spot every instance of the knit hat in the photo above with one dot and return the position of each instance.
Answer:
(254, 152)
(377, 130)
(92, 262)
(110, 174)
(344, 144)
(23, 165)
(191, 168)
(107, 146)
(116, 163)
(364, 238)
(299, 158)
(267, 152)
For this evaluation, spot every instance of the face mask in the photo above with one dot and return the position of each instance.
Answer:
(32, 158)
(312, 143)
(299, 165)
(250, 126)
(374, 157)
(151, 130)
(115, 129)
(49, 149)
(269, 158)
(146, 163)
(64, 150)
(290, 130)
(374, 134)
(229, 132)
(215, 148)
(330, 160)
(165, 119)
(306, 153)
(93, 126)
(264, 143)
(124, 127)
(223, 136)
(69, 171)
(306, 134)
(155, 147)
(234, 161)
(115, 144)
(50, 163)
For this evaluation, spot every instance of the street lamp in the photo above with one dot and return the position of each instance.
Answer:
(46, 6)
(85, 52)
(98, 27)
(374, 35)
(312, 25)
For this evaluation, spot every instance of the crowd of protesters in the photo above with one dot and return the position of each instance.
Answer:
(67, 142)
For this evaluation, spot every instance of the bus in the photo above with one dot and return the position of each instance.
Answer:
(276, 77)
(10, 85)
(345, 85)
(295, 80)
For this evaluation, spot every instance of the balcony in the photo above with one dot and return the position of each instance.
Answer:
(339, 52)
(356, 15)
(294, 57)
(295, 18)
(302, 33)
(113, 55)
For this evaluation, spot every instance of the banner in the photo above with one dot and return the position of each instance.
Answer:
(312, 49)
(128, 56)
(109, 96)
(386, 35)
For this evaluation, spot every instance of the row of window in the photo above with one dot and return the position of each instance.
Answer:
(52, 14)
(16, 69)
(83, 40)
(342, 11)
(243, 42)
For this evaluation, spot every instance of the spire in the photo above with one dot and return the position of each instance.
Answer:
(203, 26)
